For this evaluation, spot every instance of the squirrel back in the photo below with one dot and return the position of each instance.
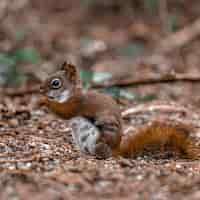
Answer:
(64, 96)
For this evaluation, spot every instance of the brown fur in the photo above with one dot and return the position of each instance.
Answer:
(96, 106)
(159, 137)
(72, 72)
(162, 138)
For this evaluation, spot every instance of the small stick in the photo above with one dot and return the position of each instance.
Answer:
(152, 108)
(14, 92)
(149, 81)
(180, 38)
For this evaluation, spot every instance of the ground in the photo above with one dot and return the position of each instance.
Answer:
(37, 156)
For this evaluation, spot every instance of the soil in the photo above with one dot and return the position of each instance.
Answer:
(37, 155)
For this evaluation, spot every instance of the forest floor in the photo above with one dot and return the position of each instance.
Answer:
(37, 155)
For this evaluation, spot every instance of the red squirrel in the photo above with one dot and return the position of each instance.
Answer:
(97, 122)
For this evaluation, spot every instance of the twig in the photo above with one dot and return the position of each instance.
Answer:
(180, 38)
(152, 108)
(151, 80)
(20, 91)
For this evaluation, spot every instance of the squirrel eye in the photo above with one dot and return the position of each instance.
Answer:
(56, 83)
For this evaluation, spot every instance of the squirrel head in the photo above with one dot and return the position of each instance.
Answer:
(62, 85)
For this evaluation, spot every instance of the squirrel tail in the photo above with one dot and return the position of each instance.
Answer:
(160, 139)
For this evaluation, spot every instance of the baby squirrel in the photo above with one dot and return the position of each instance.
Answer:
(97, 123)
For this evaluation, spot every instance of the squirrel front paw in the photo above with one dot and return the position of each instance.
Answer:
(87, 138)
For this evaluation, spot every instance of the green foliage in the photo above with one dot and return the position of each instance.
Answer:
(172, 23)
(99, 77)
(151, 5)
(132, 49)
(6, 60)
(84, 41)
(86, 77)
(25, 55)
(147, 98)
(9, 65)
(20, 35)
(117, 92)
(87, 3)
(8, 70)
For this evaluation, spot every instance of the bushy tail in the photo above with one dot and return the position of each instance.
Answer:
(160, 139)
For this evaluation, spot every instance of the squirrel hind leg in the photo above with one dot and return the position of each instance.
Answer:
(84, 134)
(87, 138)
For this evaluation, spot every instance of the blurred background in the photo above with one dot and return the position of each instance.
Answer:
(110, 40)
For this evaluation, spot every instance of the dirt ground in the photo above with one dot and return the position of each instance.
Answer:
(37, 155)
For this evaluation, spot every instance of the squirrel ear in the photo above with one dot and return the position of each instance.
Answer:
(71, 71)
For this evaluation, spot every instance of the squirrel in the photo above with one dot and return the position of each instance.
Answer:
(97, 123)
